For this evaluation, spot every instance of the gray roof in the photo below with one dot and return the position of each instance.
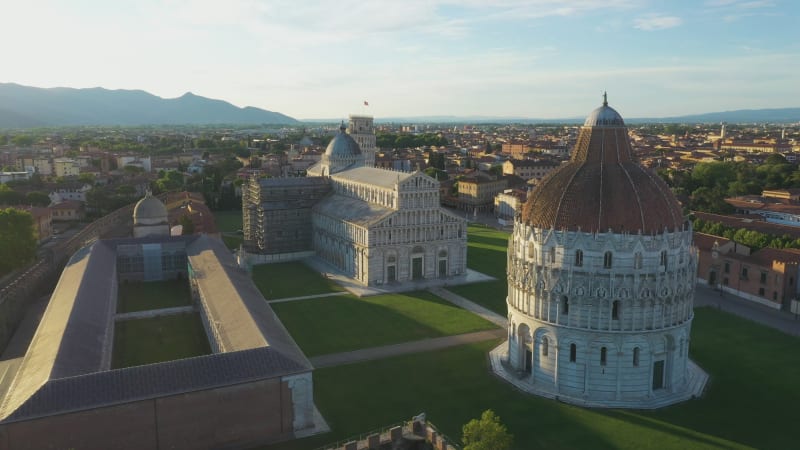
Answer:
(232, 302)
(352, 210)
(155, 380)
(70, 338)
(374, 176)
(63, 369)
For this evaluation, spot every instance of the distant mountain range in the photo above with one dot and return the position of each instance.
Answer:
(28, 107)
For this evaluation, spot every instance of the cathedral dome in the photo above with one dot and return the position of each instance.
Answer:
(602, 188)
(149, 211)
(342, 145)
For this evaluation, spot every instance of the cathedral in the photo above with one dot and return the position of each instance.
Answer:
(376, 226)
(601, 276)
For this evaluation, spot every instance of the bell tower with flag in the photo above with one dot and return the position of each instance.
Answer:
(362, 130)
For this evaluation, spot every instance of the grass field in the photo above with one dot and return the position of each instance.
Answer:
(144, 296)
(750, 401)
(486, 253)
(147, 341)
(228, 220)
(291, 279)
(343, 323)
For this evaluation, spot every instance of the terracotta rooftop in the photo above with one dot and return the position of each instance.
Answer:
(602, 187)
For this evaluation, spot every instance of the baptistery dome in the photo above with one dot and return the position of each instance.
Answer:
(601, 277)
(602, 188)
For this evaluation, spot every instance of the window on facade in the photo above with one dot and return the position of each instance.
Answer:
(607, 260)
(552, 254)
(564, 305)
(636, 357)
(615, 310)
(727, 268)
(603, 356)
(545, 345)
(743, 274)
(573, 352)
(763, 278)
(637, 260)
(578, 258)
(531, 250)
(663, 258)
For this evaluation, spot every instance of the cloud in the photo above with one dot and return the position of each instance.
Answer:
(656, 22)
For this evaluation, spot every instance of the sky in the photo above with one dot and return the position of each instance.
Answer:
(498, 58)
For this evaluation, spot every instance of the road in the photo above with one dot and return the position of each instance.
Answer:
(780, 320)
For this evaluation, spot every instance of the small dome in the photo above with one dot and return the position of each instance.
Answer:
(604, 116)
(343, 144)
(149, 210)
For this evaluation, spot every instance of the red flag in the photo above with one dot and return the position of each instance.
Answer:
(366, 103)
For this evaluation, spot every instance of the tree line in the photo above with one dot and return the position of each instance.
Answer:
(708, 184)
(756, 240)
(404, 140)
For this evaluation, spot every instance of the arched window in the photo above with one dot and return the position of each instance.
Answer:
(603, 356)
(545, 345)
(552, 254)
(637, 260)
(564, 305)
(573, 352)
(636, 357)
(664, 258)
(578, 258)
(607, 260)
(615, 310)
(531, 250)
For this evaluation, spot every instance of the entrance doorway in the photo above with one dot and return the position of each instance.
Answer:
(416, 268)
(528, 360)
(712, 279)
(391, 274)
(658, 375)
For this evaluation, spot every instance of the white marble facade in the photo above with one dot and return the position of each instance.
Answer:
(600, 316)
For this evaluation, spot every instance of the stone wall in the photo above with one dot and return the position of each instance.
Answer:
(241, 416)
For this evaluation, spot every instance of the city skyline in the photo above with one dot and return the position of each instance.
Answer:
(507, 58)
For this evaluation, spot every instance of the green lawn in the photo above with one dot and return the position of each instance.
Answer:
(291, 279)
(486, 253)
(337, 324)
(147, 341)
(228, 220)
(750, 402)
(144, 296)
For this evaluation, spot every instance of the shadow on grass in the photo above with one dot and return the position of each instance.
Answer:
(489, 294)
(452, 386)
(291, 279)
(344, 323)
(690, 435)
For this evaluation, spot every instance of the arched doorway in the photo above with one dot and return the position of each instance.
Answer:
(417, 263)
(524, 349)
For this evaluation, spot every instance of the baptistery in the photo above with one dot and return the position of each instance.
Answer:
(601, 276)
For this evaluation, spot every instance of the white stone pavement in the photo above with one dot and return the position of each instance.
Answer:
(306, 297)
(469, 305)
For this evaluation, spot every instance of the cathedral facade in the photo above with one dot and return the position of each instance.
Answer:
(376, 226)
(601, 276)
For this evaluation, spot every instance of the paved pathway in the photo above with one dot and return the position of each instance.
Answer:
(469, 305)
(154, 313)
(305, 297)
(780, 320)
(338, 359)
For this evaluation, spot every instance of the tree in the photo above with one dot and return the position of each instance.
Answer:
(17, 239)
(37, 198)
(187, 224)
(486, 433)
